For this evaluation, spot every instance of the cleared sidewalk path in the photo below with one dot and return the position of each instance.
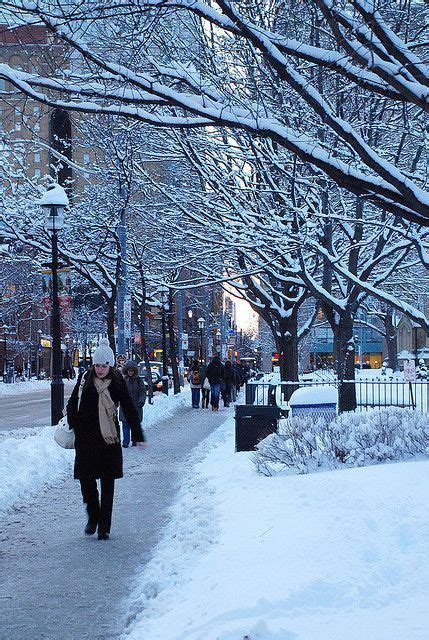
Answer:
(57, 584)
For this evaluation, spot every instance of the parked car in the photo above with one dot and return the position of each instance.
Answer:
(156, 372)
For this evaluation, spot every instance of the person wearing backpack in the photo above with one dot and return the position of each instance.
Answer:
(137, 390)
(215, 373)
(194, 378)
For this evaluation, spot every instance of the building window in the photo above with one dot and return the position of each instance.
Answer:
(37, 157)
(2, 84)
(36, 111)
(37, 173)
(86, 158)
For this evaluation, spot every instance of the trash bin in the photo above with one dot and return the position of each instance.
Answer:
(254, 423)
(317, 401)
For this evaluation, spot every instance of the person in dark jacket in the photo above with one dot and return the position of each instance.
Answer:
(93, 417)
(194, 379)
(137, 390)
(205, 392)
(214, 373)
(227, 383)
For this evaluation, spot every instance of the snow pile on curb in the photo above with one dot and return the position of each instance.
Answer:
(29, 463)
(327, 555)
(29, 386)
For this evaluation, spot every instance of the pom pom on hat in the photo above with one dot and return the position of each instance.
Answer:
(103, 354)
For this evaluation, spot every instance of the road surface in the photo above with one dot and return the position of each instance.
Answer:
(26, 410)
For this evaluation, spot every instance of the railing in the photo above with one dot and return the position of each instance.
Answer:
(369, 393)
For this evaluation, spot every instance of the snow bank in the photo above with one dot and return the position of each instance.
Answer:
(28, 461)
(331, 555)
(29, 386)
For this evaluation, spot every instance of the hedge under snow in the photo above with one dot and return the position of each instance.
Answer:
(353, 439)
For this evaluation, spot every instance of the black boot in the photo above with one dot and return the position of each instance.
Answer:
(91, 527)
(103, 536)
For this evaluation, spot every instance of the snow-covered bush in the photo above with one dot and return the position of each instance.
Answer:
(353, 439)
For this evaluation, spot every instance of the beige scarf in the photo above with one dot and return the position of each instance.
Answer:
(106, 411)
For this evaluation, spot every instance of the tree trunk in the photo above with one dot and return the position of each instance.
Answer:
(344, 350)
(287, 347)
(391, 340)
(172, 345)
(143, 341)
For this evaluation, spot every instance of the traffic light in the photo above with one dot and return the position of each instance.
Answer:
(274, 357)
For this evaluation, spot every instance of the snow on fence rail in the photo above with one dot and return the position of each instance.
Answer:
(369, 393)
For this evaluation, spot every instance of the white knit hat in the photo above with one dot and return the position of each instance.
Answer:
(103, 353)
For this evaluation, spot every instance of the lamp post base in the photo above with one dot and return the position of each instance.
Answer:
(57, 400)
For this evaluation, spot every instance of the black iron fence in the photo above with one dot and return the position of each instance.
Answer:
(369, 393)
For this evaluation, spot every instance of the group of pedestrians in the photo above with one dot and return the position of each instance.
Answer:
(214, 381)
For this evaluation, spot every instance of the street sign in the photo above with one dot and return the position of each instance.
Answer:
(409, 371)
(185, 341)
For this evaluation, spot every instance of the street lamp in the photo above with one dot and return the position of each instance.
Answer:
(39, 351)
(164, 293)
(201, 325)
(5, 330)
(54, 201)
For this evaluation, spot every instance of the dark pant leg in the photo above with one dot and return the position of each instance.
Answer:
(90, 498)
(126, 433)
(107, 491)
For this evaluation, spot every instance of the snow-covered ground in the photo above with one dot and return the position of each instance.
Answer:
(29, 386)
(333, 555)
(30, 458)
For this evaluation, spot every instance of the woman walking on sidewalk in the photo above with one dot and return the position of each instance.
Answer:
(97, 436)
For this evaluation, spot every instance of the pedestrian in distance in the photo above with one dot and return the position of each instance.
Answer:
(214, 373)
(227, 383)
(97, 436)
(194, 379)
(205, 389)
(137, 390)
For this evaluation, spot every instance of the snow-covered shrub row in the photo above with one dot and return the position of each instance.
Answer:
(354, 439)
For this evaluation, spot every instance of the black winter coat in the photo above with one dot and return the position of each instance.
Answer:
(94, 457)
(214, 371)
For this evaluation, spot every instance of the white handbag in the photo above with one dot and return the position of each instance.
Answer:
(206, 384)
(63, 435)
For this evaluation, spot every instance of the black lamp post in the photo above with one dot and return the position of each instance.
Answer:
(5, 330)
(55, 201)
(164, 294)
(201, 324)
